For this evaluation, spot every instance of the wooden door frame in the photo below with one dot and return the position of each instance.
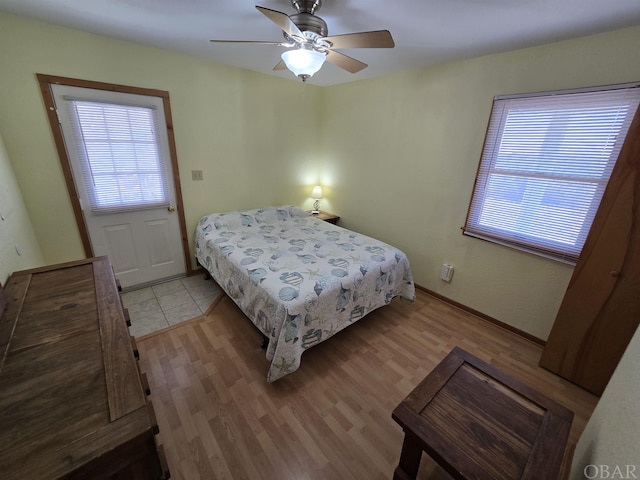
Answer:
(45, 82)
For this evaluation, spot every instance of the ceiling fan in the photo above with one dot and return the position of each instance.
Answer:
(309, 46)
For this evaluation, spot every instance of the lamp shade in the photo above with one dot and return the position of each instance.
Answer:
(316, 192)
(302, 61)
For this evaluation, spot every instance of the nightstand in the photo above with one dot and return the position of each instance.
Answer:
(326, 216)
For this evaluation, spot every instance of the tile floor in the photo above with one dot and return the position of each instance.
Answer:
(159, 306)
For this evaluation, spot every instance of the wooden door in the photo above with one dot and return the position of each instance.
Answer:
(141, 237)
(145, 242)
(601, 308)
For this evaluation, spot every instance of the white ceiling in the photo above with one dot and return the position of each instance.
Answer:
(426, 32)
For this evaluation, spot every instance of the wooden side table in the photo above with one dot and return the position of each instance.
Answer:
(477, 422)
(326, 216)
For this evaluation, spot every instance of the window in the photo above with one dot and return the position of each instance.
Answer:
(545, 164)
(120, 155)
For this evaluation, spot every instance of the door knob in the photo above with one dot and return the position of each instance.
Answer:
(171, 208)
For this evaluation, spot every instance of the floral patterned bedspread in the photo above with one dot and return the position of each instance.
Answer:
(299, 279)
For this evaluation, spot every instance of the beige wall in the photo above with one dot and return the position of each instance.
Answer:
(612, 436)
(247, 132)
(396, 155)
(19, 248)
(403, 151)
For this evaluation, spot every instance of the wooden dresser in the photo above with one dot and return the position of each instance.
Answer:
(72, 401)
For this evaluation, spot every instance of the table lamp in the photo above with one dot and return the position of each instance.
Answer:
(316, 194)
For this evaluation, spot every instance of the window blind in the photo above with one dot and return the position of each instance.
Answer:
(120, 155)
(544, 168)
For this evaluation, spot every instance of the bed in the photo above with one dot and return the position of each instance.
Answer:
(300, 280)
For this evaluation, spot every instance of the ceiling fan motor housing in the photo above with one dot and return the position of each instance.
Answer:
(306, 6)
(310, 23)
(305, 19)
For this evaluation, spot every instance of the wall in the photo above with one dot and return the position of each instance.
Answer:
(19, 248)
(403, 151)
(242, 129)
(612, 436)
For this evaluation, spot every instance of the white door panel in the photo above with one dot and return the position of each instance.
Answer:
(158, 232)
(144, 244)
(119, 244)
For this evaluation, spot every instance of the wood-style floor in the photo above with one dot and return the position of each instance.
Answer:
(331, 419)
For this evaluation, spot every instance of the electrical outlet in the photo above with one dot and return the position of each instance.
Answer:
(196, 174)
(446, 272)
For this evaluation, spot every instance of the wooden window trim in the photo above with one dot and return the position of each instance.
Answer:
(539, 249)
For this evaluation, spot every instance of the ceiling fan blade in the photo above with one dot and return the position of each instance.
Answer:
(282, 20)
(280, 66)
(281, 44)
(345, 62)
(374, 39)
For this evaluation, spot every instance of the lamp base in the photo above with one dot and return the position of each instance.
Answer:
(315, 212)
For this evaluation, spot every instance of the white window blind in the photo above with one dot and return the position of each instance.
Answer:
(120, 155)
(546, 162)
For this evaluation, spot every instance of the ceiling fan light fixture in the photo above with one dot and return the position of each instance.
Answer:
(303, 62)
(308, 45)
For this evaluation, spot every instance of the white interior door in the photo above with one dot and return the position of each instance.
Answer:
(119, 154)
